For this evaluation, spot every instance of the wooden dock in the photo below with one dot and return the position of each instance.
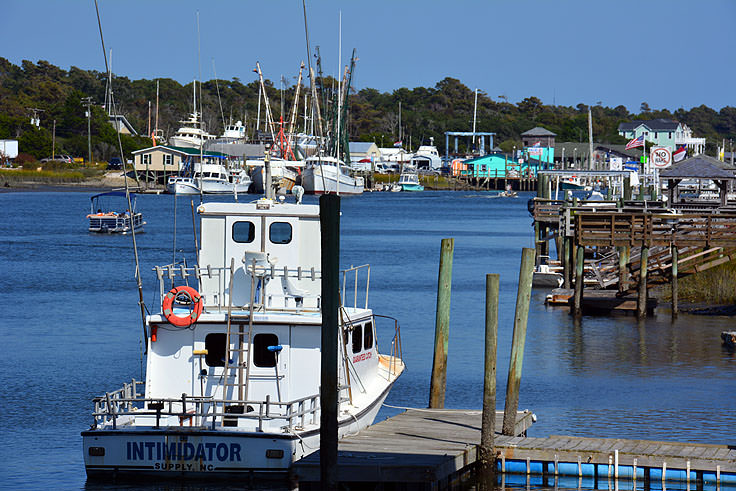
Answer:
(416, 446)
(424, 449)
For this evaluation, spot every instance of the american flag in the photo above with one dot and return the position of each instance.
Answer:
(636, 142)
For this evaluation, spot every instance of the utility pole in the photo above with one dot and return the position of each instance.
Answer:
(53, 141)
(87, 102)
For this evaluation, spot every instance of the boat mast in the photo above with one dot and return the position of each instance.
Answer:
(338, 168)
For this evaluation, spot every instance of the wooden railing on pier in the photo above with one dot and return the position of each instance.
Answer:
(635, 229)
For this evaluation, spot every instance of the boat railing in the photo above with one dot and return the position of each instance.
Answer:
(173, 274)
(355, 280)
(396, 354)
(202, 411)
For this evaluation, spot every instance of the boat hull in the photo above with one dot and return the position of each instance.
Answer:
(115, 223)
(412, 187)
(175, 452)
(315, 182)
(188, 186)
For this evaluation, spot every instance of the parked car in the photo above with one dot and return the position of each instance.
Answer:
(114, 164)
(59, 158)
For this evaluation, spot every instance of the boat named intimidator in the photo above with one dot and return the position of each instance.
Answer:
(233, 366)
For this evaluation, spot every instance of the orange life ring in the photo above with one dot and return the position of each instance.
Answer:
(195, 311)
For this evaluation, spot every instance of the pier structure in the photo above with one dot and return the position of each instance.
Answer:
(619, 249)
(438, 448)
(471, 134)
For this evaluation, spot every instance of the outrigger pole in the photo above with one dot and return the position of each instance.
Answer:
(141, 303)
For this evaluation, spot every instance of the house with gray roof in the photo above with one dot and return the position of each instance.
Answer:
(664, 132)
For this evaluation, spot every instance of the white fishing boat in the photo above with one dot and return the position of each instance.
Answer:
(233, 367)
(409, 181)
(104, 219)
(210, 178)
(328, 174)
(426, 157)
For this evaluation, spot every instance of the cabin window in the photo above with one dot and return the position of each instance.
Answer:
(168, 159)
(215, 346)
(244, 232)
(357, 338)
(280, 233)
(368, 336)
(147, 159)
(262, 356)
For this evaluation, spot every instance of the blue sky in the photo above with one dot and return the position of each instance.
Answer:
(670, 54)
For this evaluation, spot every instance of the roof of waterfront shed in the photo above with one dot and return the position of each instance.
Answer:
(660, 124)
(699, 167)
(538, 131)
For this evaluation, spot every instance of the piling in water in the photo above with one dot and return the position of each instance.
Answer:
(486, 452)
(329, 215)
(438, 382)
(641, 307)
(519, 336)
(675, 259)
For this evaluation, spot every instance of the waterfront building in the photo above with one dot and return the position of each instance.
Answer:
(164, 160)
(539, 144)
(663, 132)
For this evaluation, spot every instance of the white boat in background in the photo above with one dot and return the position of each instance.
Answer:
(192, 133)
(426, 157)
(233, 368)
(409, 181)
(328, 174)
(210, 178)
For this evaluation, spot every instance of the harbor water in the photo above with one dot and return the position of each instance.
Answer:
(71, 326)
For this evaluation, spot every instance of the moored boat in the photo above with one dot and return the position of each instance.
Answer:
(409, 181)
(329, 175)
(210, 178)
(233, 366)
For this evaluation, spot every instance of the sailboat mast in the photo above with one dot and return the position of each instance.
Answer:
(590, 139)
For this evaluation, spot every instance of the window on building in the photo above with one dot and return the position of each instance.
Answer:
(655, 134)
(147, 159)
(168, 159)
(357, 338)
(216, 349)
(279, 233)
(670, 135)
(262, 356)
(244, 232)
(368, 336)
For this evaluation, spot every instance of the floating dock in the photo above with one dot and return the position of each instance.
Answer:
(428, 448)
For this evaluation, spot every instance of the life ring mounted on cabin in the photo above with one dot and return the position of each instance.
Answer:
(182, 295)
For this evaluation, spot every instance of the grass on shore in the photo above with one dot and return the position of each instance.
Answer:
(47, 175)
(716, 286)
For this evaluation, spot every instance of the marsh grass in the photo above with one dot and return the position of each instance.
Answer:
(716, 286)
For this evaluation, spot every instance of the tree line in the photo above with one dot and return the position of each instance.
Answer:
(426, 112)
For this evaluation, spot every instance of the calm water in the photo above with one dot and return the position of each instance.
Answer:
(71, 326)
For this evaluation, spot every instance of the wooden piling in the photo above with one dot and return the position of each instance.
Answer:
(486, 451)
(566, 269)
(442, 326)
(623, 271)
(537, 242)
(675, 259)
(627, 188)
(519, 336)
(641, 307)
(329, 212)
(579, 281)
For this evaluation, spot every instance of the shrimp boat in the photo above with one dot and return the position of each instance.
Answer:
(233, 366)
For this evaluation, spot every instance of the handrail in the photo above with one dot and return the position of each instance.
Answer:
(355, 272)
(125, 402)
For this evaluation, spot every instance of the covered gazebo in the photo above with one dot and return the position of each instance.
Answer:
(700, 167)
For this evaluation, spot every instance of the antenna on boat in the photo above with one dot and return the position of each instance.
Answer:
(313, 89)
(141, 303)
(201, 116)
